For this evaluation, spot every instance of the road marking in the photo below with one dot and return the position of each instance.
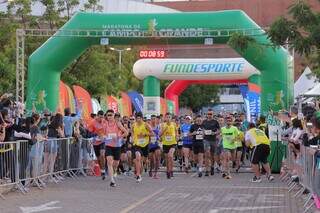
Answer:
(41, 208)
(240, 209)
(233, 187)
(139, 202)
(193, 175)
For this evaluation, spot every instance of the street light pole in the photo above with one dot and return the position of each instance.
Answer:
(120, 54)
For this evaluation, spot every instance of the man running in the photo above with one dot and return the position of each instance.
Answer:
(197, 132)
(141, 132)
(239, 145)
(258, 140)
(154, 148)
(229, 134)
(115, 133)
(97, 127)
(186, 142)
(169, 134)
(211, 129)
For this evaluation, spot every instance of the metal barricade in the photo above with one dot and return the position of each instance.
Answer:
(23, 164)
(13, 159)
(304, 166)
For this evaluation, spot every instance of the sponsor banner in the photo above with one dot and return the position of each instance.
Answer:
(170, 106)
(112, 103)
(151, 105)
(254, 105)
(66, 98)
(163, 106)
(126, 104)
(95, 105)
(83, 97)
(137, 100)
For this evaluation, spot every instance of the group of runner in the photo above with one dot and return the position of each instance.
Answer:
(207, 144)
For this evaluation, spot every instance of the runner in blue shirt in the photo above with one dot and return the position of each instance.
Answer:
(154, 148)
(187, 141)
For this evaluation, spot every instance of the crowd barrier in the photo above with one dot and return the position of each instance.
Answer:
(302, 174)
(23, 165)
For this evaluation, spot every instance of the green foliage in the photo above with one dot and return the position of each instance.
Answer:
(93, 6)
(67, 6)
(101, 64)
(197, 96)
(240, 41)
(301, 31)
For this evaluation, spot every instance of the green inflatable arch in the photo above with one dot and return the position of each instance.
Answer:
(48, 61)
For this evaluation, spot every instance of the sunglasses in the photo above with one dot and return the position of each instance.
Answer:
(109, 115)
(209, 114)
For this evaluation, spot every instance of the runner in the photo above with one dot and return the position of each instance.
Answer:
(97, 127)
(179, 155)
(239, 145)
(154, 148)
(169, 134)
(115, 133)
(229, 134)
(258, 140)
(141, 132)
(197, 132)
(212, 128)
(124, 162)
(186, 142)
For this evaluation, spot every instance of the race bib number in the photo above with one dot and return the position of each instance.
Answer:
(208, 132)
(141, 141)
(199, 137)
(112, 135)
(168, 138)
(229, 138)
(185, 134)
(153, 140)
(180, 143)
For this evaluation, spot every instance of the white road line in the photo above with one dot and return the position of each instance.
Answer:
(233, 187)
(193, 175)
(41, 208)
(141, 201)
(222, 209)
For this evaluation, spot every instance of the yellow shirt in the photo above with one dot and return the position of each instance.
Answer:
(257, 137)
(140, 135)
(169, 135)
(239, 139)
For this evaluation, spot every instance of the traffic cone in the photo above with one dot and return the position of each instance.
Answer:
(96, 170)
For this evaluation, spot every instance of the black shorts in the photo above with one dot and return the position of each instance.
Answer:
(198, 148)
(188, 146)
(260, 154)
(144, 151)
(113, 151)
(239, 149)
(166, 148)
(123, 149)
(153, 149)
(97, 149)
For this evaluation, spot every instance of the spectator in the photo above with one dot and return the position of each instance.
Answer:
(295, 138)
(312, 136)
(69, 121)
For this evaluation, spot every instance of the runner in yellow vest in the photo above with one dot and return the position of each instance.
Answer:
(239, 145)
(141, 132)
(258, 140)
(169, 135)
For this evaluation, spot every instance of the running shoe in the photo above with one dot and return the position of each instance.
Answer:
(113, 184)
(228, 177)
(139, 179)
(103, 175)
(256, 179)
(200, 174)
(212, 171)
(168, 175)
(224, 175)
(207, 174)
(270, 178)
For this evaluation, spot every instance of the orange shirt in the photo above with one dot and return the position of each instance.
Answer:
(99, 129)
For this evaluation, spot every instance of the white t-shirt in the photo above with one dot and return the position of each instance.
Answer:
(249, 137)
(296, 135)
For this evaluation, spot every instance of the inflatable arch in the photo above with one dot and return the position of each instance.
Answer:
(185, 72)
(48, 61)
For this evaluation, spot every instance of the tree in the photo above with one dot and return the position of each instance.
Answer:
(20, 9)
(93, 6)
(67, 6)
(51, 14)
(197, 96)
(301, 31)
